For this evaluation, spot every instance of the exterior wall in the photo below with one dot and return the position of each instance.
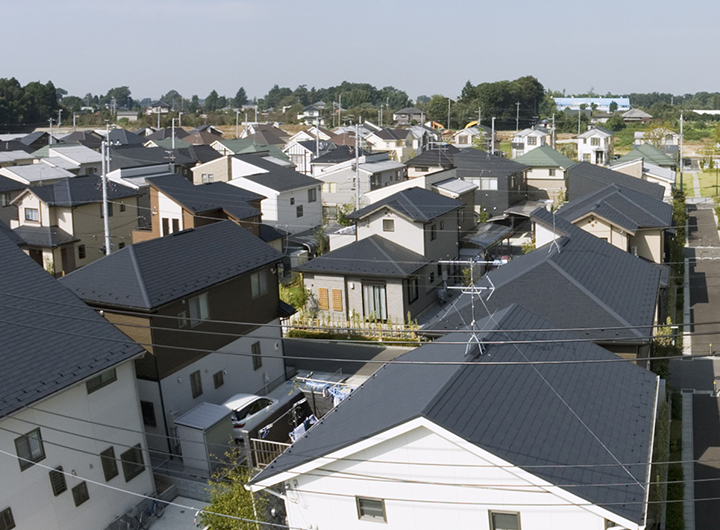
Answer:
(603, 230)
(339, 187)
(332, 503)
(29, 493)
(168, 209)
(218, 168)
(415, 171)
(88, 226)
(407, 233)
(9, 213)
(649, 244)
(521, 145)
(634, 169)
(463, 139)
(605, 147)
(544, 186)
(662, 182)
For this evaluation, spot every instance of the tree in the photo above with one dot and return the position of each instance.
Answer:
(194, 103)
(613, 106)
(717, 134)
(11, 96)
(211, 102)
(240, 98)
(39, 102)
(121, 95)
(655, 134)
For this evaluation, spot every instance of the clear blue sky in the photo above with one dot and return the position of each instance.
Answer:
(421, 46)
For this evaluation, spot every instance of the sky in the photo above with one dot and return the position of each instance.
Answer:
(422, 47)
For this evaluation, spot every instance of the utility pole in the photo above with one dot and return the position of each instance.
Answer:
(448, 125)
(50, 137)
(180, 119)
(381, 113)
(173, 134)
(517, 117)
(479, 117)
(553, 132)
(357, 168)
(492, 137)
(74, 116)
(681, 151)
(339, 110)
(105, 169)
(317, 137)
(237, 124)
(59, 118)
(158, 111)
(579, 114)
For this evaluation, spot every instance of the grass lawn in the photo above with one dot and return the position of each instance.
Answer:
(707, 183)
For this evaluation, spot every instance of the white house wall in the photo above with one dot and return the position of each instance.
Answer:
(329, 502)
(29, 492)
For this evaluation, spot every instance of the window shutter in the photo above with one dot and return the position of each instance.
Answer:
(337, 300)
(323, 299)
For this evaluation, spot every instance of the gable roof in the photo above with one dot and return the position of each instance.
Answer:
(372, 256)
(77, 191)
(439, 156)
(167, 143)
(10, 234)
(86, 138)
(55, 340)
(76, 153)
(204, 137)
(153, 273)
(584, 178)
(595, 129)
(133, 155)
(125, 137)
(637, 114)
(167, 132)
(266, 137)
(545, 156)
(539, 131)
(207, 197)
(34, 137)
(341, 153)
(14, 145)
(208, 128)
(623, 207)
(417, 204)
(582, 282)
(649, 153)
(567, 423)
(474, 162)
(409, 110)
(392, 134)
(238, 146)
(277, 177)
(8, 184)
(37, 172)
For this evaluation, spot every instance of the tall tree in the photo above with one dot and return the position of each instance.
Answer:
(240, 98)
(211, 102)
(194, 103)
(40, 102)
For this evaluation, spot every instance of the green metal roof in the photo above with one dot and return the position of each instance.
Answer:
(545, 156)
(650, 153)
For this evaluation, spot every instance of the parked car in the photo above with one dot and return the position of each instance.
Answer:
(246, 409)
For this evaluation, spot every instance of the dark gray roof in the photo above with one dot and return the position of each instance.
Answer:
(393, 134)
(33, 137)
(51, 339)
(80, 190)
(44, 236)
(488, 234)
(167, 133)
(126, 137)
(14, 145)
(474, 163)
(440, 156)
(584, 178)
(8, 184)
(86, 138)
(128, 156)
(372, 256)
(583, 418)
(11, 234)
(278, 178)
(582, 282)
(270, 233)
(208, 197)
(417, 204)
(622, 206)
(153, 273)
(341, 153)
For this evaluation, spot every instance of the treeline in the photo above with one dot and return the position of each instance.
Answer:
(33, 104)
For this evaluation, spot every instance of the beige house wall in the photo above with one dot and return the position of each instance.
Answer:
(603, 230)
(634, 170)
(219, 168)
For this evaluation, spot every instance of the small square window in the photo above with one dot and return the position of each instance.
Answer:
(132, 462)
(7, 522)
(196, 384)
(504, 521)
(371, 509)
(102, 210)
(81, 252)
(256, 355)
(218, 379)
(29, 449)
(109, 463)
(148, 413)
(551, 172)
(80, 493)
(388, 225)
(57, 481)
(104, 379)
(121, 245)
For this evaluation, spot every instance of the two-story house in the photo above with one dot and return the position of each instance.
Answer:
(595, 146)
(74, 452)
(302, 153)
(528, 139)
(176, 204)
(63, 224)
(432, 160)
(465, 137)
(311, 115)
(398, 143)
(205, 304)
(407, 115)
(546, 173)
(78, 159)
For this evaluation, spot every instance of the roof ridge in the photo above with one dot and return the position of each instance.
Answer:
(374, 241)
(627, 198)
(139, 276)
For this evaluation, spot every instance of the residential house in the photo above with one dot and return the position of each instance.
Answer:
(124, 137)
(268, 137)
(16, 158)
(500, 182)
(209, 129)
(293, 201)
(547, 173)
(9, 190)
(167, 133)
(466, 137)
(10, 143)
(129, 115)
(181, 161)
(595, 146)
(584, 178)
(89, 139)
(600, 117)
(627, 219)
(302, 153)
(35, 174)
(488, 440)
(636, 116)
(527, 140)
(176, 204)
(67, 380)
(398, 143)
(145, 131)
(158, 107)
(78, 159)
(271, 131)
(205, 303)
(371, 279)
(433, 160)
(576, 281)
(408, 115)
(642, 169)
(137, 178)
(601, 104)
(311, 115)
(338, 155)
(63, 224)
(648, 153)
(38, 139)
(168, 144)
(310, 134)
(669, 143)
(201, 138)
(243, 146)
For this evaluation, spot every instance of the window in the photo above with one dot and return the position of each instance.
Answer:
(371, 509)
(300, 211)
(375, 301)
(412, 289)
(312, 194)
(292, 201)
(175, 225)
(218, 379)
(504, 521)
(258, 281)
(29, 449)
(433, 232)
(388, 225)
(594, 141)
(110, 210)
(323, 299)
(6, 519)
(109, 464)
(256, 355)
(337, 301)
(439, 270)
(207, 177)
(81, 252)
(329, 187)
(132, 462)
(32, 214)
(196, 384)
(586, 157)
(80, 493)
(148, 413)
(121, 245)
(551, 172)
(422, 169)
(442, 225)
(199, 310)
(4, 199)
(165, 226)
(463, 139)
(488, 183)
(122, 206)
(99, 381)
(432, 278)
(532, 140)
(182, 319)
(57, 481)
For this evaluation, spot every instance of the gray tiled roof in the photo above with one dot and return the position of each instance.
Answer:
(371, 256)
(8, 184)
(153, 273)
(474, 163)
(126, 137)
(417, 204)
(585, 283)
(51, 339)
(278, 178)
(10, 233)
(584, 178)
(627, 208)
(80, 190)
(44, 236)
(440, 156)
(573, 416)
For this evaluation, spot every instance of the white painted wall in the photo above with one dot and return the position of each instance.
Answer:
(29, 492)
(169, 209)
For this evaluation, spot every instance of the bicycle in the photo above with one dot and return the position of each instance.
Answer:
(157, 509)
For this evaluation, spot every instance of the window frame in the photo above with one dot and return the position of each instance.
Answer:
(198, 309)
(258, 283)
(196, 384)
(108, 461)
(312, 194)
(364, 516)
(323, 298)
(4, 199)
(501, 512)
(82, 252)
(80, 493)
(388, 225)
(7, 521)
(412, 287)
(132, 468)
(30, 218)
(218, 379)
(532, 140)
(101, 380)
(299, 211)
(256, 350)
(147, 408)
(433, 232)
(58, 483)
(28, 460)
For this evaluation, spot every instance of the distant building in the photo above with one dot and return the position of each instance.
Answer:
(602, 104)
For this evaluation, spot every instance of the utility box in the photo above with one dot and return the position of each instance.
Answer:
(205, 434)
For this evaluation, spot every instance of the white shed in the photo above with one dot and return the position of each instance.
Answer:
(205, 434)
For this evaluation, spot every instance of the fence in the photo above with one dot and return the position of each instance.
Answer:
(265, 451)
(300, 324)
